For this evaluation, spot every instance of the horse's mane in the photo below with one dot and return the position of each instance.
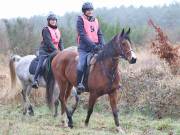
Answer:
(107, 51)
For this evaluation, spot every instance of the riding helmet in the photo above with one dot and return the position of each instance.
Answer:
(51, 17)
(87, 6)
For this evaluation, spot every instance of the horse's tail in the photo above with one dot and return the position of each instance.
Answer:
(12, 70)
(50, 82)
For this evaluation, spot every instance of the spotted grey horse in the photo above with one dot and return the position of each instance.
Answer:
(19, 66)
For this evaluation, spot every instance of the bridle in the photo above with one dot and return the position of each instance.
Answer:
(111, 74)
(123, 53)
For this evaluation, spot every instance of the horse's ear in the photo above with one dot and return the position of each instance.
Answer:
(129, 30)
(122, 33)
(116, 38)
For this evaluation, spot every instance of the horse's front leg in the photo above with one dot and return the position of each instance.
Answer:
(92, 101)
(113, 103)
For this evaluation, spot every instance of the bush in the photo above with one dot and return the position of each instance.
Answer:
(150, 87)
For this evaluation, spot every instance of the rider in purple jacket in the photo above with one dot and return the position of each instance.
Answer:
(90, 39)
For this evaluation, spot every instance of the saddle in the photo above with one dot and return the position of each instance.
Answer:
(34, 64)
(46, 67)
(91, 60)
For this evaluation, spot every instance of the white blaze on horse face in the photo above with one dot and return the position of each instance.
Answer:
(133, 55)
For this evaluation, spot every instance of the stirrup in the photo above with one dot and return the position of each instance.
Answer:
(35, 85)
(80, 88)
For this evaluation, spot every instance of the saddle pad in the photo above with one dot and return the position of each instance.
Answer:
(89, 57)
(33, 65)
(45, 66)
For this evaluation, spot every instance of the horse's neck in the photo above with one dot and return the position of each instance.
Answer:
(107, 57)
(110, 64)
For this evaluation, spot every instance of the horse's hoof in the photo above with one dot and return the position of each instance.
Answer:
(31, 113)
(120, 130)
(79, 93)
(86, 124)
(70, 126)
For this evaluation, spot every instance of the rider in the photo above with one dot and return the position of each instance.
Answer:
(90, 39)
(51, 42)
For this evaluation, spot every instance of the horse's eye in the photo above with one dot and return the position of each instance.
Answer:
(123, 42)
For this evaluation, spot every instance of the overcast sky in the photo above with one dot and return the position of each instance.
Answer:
(28, 8)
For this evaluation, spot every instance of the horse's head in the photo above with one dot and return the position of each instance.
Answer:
(122, 46)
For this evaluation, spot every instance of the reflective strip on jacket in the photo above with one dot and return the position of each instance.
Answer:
(55, 35)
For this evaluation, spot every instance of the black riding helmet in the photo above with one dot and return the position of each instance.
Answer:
(87, 6)
(51, 17)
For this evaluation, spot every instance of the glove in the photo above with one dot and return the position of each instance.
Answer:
(54, 53)
(37, 53)
(100, 46)
(61, 49)
(95, 49)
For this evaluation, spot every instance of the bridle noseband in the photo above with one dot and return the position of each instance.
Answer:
(124, 54)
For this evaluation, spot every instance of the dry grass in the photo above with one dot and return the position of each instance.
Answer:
(5, 80)
(149, 86)
(9, 95)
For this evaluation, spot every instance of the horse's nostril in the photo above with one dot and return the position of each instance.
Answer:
(133, 60)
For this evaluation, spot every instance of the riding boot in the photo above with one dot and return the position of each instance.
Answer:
(35, 83)
(80, 86)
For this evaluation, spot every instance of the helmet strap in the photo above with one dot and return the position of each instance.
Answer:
(52, 26)
(90, 18)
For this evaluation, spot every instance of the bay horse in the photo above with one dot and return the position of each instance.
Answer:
(19, 66)
(103, 76)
